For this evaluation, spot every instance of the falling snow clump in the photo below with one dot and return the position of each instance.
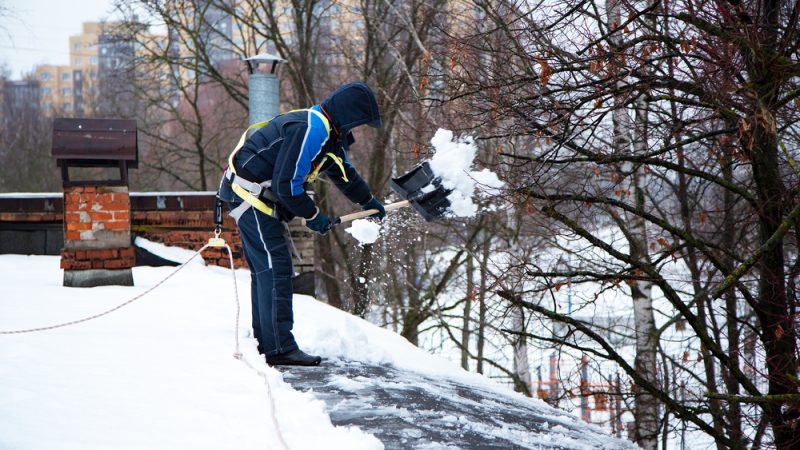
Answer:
(365, 231)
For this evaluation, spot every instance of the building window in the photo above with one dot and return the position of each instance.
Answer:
(66, 106)
(77, 47)
(47, 92)
(47, 105)
(45, 76)
(77, 62)
(66, 92)
(93, 60)
(77, 76)
(66, 76)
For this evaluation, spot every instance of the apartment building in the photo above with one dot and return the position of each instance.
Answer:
(19, 100)
(56, 84)
(84, 57)
(99, 56)
(84, 52)
(75, 89)
(217, 33)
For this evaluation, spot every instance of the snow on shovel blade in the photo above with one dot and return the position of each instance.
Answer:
(424, 190)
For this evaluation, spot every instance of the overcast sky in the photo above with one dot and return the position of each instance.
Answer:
(38, 31)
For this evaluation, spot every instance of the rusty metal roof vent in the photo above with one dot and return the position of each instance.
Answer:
(95, 143)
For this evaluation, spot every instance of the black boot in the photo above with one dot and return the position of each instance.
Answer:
(294, 358)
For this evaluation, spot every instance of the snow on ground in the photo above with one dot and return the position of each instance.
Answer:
(160, 372)
(174, 254)
(156, 374)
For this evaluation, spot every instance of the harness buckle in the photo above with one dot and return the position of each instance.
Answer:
(255, 189)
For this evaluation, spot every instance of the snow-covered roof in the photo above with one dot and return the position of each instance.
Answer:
(159, 373)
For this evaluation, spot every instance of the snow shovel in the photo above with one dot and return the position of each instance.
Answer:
(421, 189)
(424, 190)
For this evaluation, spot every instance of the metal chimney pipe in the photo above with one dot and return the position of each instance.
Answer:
(264, 97)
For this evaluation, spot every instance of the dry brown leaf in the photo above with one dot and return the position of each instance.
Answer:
(544, 76)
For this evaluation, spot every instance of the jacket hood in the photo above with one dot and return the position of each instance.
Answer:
(351, 105)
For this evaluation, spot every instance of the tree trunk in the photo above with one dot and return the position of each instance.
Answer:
(482, 310)
(777, 329)
(522, 371)
(778, 333)
(326, 263)
(465, 323)
(734, 415)
(412, 314)
(632, 137)
(693, 264)
(647, 415)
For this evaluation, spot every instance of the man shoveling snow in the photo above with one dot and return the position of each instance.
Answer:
(264, 188)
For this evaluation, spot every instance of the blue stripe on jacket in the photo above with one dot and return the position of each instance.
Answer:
(313, 141)
(302, 143)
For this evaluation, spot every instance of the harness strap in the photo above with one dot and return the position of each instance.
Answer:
(241, 142)
(339, 162)
(251, 193)
(237, 212)
(245, 189)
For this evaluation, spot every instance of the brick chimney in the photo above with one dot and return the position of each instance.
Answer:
(97, 236)
(97, 212)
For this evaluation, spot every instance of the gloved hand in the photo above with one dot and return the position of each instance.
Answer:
(373, 203)
(319, 222)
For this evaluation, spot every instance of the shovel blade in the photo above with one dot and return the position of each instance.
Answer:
(424, 190)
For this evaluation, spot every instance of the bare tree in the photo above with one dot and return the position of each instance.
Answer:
(188, 98)
(25, 140)
(699, 99)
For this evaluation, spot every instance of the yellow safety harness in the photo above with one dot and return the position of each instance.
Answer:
(250, 191)
(236, 182)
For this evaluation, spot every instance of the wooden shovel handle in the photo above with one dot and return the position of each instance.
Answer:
(361, 214)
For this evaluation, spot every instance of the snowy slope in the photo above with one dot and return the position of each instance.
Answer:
(160, 373)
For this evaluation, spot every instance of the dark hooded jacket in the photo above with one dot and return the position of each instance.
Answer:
(295, 144)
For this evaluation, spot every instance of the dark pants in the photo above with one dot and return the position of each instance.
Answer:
(268, 254)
